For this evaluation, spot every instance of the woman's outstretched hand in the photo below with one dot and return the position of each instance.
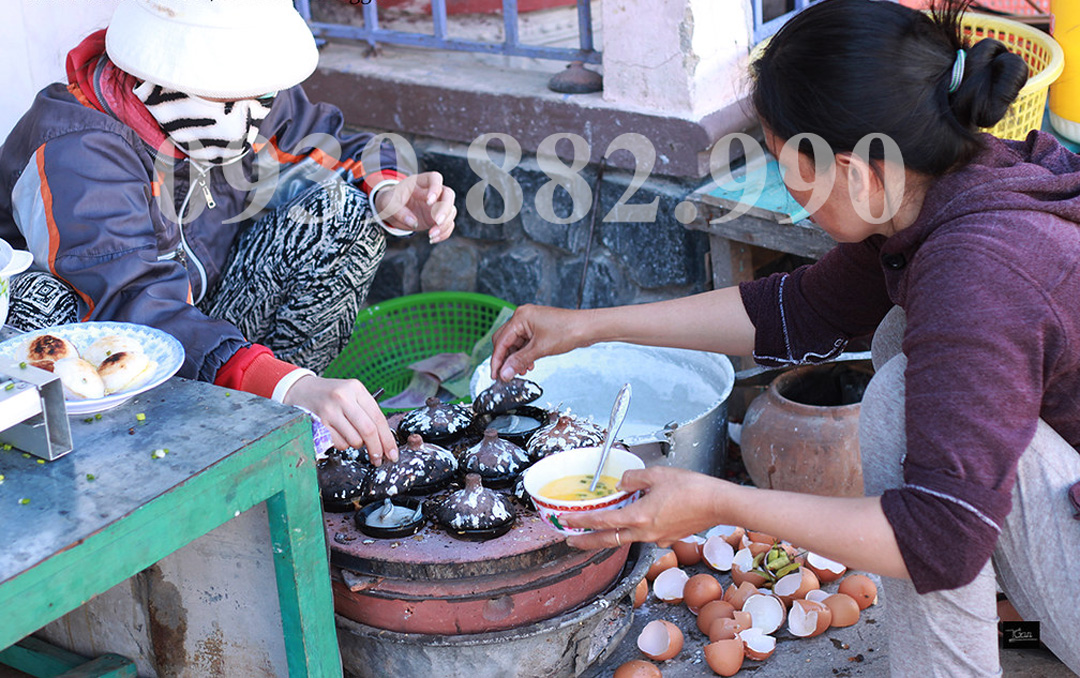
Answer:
(676, 504)
(532, 333)
(349, 411)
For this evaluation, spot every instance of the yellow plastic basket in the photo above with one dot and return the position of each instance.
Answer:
(1044, 58)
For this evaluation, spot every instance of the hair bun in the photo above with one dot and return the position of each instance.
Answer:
(993, 77)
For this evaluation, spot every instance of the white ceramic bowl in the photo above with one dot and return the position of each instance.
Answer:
(11, 262)
(579, 461)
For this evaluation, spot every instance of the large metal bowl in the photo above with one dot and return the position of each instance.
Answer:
(678, 415)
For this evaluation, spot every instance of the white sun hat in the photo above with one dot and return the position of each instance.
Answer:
(213, 48)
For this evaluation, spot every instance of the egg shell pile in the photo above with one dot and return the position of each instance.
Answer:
(742, 619)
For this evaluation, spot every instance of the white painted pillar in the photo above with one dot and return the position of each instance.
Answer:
(35, 37)
(686, 58)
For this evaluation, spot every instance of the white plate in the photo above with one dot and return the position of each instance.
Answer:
(159, 346)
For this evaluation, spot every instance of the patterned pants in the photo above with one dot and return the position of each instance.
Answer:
(295, 280)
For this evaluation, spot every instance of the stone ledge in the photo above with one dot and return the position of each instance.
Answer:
(412, 91)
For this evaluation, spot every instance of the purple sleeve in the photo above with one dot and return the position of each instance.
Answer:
(809, 315)
(978, 340)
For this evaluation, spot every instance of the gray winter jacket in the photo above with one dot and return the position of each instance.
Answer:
(83, 192)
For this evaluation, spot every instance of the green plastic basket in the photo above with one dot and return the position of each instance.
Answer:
(391, 335)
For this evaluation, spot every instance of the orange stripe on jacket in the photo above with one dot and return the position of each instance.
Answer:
(354, 167)
(54, 232)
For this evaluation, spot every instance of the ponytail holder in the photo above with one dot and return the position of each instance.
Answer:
(957, 71)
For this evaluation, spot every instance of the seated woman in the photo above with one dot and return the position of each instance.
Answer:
(182, 179)
(970, 428)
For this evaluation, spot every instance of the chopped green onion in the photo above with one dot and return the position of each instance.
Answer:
(89, 420)
(10, 386)
(90, 476)
(41, 461)
(22, 365)
(97, 416)
(1, 478)
(140, 416)
(24, 501)
(159, 453)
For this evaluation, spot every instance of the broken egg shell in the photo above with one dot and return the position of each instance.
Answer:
(670, 585)
(701, 589)
(737, 594)
(845, 611)
(663, 559)
(711, 611)
(757, 645)
(503, 396)
(725, 657)
(817, 595)
(660, 640)
(718, 553)
(742, 618)
(732, 534)
(637, 668)
(641, 593)
(688, 550)
(826, 570)
(761, 537)
(808, 619)
(766, 612)
(756, 548)
(796, 585)
(861, 588)
(724, 629)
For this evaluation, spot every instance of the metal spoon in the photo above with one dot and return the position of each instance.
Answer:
(618, 413)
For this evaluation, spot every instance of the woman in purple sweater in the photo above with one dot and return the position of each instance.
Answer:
(970, 428)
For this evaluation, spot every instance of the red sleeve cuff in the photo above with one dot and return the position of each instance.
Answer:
(253, 369)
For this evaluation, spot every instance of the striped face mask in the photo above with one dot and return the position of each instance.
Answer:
(215, 132)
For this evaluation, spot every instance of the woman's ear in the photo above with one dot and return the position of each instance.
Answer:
(863, 182)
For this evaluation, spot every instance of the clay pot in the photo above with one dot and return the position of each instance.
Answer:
(802, 433)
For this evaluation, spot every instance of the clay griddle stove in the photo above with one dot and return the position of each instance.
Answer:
(432, 583)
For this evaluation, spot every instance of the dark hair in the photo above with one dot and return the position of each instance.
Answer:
(843, 69)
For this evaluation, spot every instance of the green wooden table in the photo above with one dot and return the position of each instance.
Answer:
(75, 527)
